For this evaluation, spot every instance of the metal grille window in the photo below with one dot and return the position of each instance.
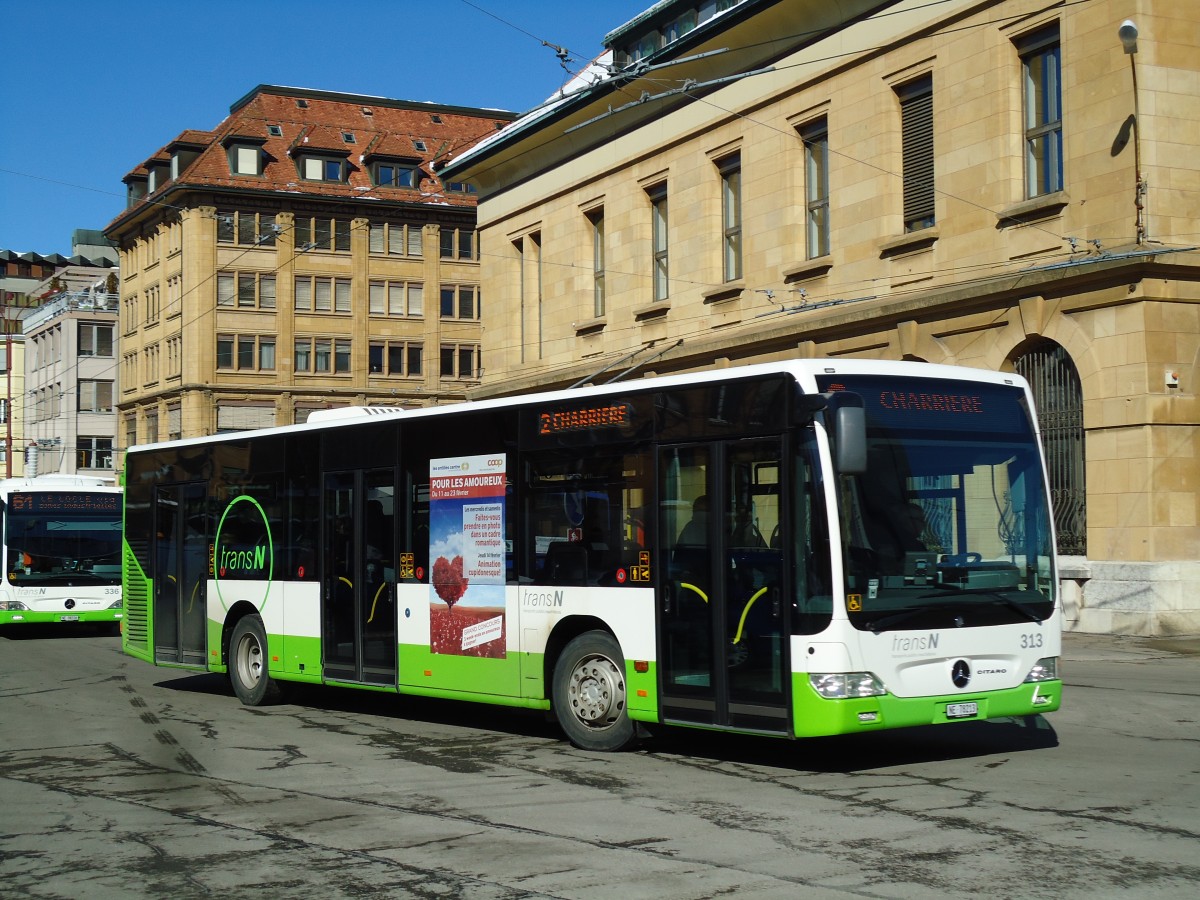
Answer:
(916, 136)
(1058, 395)
(596, 221)
(731, 215)
(659, 245)
(1041, 76)
(816, 187)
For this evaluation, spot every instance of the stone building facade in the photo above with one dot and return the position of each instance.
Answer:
(1000, 184)
(301, 255)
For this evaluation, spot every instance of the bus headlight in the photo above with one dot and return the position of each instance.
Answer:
(846, 685)
(1045, 669)
(12, 605)
(116, 604)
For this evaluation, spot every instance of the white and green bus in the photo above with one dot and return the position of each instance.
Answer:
(61, 550)
(795, 549)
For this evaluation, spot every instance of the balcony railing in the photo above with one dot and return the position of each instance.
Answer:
(71, 301)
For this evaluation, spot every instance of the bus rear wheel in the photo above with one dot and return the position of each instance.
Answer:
(589, 693)
(248, 664)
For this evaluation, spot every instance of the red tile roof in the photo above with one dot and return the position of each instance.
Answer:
(387, 127)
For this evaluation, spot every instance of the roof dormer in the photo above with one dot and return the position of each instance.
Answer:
(245, 154)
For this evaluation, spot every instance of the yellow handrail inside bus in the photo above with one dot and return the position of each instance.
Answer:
(745, 612)
(192, 600)
(376, 600)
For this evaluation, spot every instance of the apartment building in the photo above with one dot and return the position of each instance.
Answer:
(1005, 184)
(302, 254)
(71, 379)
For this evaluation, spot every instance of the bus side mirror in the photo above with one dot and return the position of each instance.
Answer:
(846, 422)
(850, 439)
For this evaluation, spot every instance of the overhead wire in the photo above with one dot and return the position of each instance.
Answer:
(677, 281)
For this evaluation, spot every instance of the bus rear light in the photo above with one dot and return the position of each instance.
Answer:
(641, 666)
(12, 605)
(1045, 669)
(846, 685)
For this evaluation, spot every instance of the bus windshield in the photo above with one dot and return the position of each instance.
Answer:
(63, 538)
(949, 526)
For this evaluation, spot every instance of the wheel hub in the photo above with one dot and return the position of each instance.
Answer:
(597, 691)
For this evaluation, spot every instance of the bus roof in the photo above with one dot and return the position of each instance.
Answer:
(57, 482)
(804, 371)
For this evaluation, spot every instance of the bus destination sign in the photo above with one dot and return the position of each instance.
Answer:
(930, 404)
(60, 502)
(564, 421)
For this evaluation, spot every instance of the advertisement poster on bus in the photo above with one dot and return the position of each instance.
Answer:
(466, 553)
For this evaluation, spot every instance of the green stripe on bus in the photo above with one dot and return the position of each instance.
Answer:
(815, 716)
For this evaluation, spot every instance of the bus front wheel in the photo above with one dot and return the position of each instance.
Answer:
(248, 664)
(589, 693)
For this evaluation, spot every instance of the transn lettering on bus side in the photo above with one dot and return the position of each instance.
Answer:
(610, 416)
(244, 560)
(917, 402)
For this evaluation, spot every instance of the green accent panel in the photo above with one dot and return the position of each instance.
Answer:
(136, 590)
(642, 709)
(815, 716)
(32, 617)
(216, 651)
(297, 652)
(494, 678)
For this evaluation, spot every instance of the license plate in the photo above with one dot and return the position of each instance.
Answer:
(68, 618)
(962, 710)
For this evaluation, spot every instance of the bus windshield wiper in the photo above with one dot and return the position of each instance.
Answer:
(1008, 601)
(878, 625)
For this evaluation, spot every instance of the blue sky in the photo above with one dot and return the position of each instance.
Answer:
(93, 89)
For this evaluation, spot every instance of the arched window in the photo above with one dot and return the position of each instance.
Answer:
(1059, 399)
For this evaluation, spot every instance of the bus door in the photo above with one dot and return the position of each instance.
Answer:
(722, 615)
(358, 575)
(180, 573)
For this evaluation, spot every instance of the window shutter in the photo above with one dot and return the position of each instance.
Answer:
(225, 290)
(322, 295)
(239, 418)
(916, 120)
(266, 292)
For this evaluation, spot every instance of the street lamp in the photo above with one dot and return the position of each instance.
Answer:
(1128, 33)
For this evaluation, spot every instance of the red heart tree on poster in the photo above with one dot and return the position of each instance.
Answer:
(448, 580)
